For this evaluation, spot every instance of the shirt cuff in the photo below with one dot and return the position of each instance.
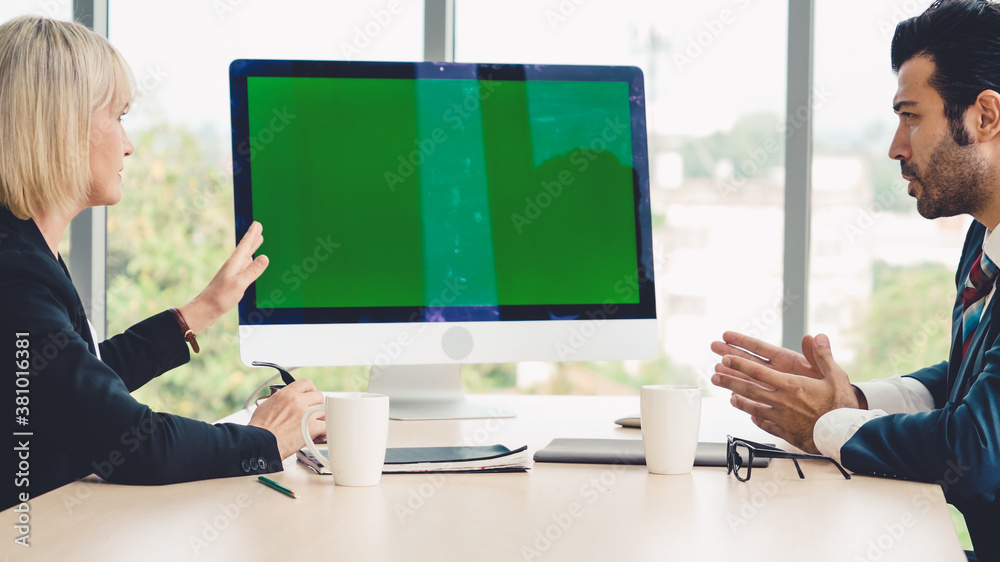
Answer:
(836, 427)
(897, 395)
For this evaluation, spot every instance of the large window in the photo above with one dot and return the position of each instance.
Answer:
(871, 251)
(174, 226)
(882, 276)
(716, 151)
(716, 163)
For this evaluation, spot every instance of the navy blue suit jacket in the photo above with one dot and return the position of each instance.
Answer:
(958, 443)
(79, 412)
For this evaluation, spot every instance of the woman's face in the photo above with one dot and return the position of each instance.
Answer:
(109, 145)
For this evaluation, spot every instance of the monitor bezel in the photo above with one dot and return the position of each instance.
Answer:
(252, 313)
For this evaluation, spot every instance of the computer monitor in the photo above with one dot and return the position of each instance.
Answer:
(418, 216)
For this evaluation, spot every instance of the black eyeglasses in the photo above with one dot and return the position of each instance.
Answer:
(740, 454)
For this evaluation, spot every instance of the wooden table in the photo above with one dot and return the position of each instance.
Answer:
(553, 512)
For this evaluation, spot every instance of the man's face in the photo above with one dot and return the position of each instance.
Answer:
(947, 179)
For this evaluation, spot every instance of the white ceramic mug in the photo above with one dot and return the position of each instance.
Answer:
(357, 430)
(670, 416)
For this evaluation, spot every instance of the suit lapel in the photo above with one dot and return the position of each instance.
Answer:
(955, 360)
(78, 315)
(971, 364)
(958, 366)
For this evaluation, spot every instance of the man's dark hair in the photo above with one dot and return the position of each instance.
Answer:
(962, 37)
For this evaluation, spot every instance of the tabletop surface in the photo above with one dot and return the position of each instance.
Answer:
(552, 512)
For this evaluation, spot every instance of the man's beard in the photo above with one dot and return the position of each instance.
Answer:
(956, 180)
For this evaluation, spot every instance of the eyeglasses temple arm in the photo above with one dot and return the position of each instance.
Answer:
(780, 454)
(840, 468)
(798, 469)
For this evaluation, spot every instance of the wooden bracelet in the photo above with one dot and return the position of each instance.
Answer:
(189, 336)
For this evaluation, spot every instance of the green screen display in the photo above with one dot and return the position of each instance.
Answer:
(391, 192)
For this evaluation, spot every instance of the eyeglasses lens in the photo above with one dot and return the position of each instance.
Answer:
(741, 461)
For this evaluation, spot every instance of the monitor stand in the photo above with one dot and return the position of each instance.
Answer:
(427, 392)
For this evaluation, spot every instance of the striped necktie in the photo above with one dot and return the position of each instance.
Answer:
(977, 287)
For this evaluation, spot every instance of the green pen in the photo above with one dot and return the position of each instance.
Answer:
(276, 486)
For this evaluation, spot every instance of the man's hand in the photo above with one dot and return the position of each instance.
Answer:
(784, 392)
(281, 414)
(777, 358)
(226, 289)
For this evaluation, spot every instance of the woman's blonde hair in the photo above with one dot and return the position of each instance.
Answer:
(53, 76)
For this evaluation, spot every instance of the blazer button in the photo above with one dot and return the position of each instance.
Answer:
(253, 464)
(246, 466)
(262, 463)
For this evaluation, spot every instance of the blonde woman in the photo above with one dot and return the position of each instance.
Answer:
(63, 91)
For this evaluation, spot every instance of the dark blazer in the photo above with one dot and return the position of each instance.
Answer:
(79, 413)
(956, 445)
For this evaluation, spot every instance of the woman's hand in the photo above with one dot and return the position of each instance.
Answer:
(281, 414)
(226, 289)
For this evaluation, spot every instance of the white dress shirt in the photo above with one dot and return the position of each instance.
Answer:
(894, 395)
(93, 334)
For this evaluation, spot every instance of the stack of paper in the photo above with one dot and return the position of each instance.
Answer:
(493, 458)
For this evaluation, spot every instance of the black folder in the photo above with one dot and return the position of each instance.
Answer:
(625, 451)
